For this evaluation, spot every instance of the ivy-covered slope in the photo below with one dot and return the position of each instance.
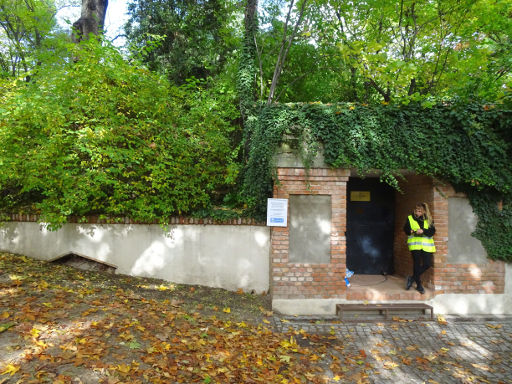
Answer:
(468, 146)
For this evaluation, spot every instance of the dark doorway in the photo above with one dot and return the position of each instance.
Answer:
(370, 226)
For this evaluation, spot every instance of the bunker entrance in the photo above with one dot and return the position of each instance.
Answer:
(370, 226)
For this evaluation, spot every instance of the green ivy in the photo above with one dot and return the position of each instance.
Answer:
(465, 145)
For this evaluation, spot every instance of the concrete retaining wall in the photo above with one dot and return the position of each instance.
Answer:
(223, 256)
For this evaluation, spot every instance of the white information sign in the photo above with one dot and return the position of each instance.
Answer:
(277, 212)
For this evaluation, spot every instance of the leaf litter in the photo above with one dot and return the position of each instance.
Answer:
(63, 325)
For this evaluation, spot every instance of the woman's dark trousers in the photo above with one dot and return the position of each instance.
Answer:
(422, 261)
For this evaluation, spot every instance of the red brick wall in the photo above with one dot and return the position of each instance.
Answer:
(470, 278)
(303, 280)
(93, 219)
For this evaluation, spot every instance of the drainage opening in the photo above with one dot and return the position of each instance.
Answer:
(84, 263)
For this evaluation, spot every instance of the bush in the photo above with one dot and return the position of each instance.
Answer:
(99, 135)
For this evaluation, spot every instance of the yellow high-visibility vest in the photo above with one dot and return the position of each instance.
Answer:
(415, 242)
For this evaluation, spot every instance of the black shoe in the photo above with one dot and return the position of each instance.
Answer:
(420, 289)
(409, 282)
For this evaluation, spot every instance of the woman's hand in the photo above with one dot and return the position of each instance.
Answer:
(419, 231)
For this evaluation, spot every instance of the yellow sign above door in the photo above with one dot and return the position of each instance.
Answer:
(359, 195)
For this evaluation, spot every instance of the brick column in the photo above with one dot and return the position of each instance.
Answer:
(305, 280)
(440, 217)
(414, 189)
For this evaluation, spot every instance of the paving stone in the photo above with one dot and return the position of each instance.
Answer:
(465, 350)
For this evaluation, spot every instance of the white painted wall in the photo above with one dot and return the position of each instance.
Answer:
(223, 256)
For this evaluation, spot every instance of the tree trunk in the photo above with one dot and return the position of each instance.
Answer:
(283, 52)
(247, 72)
(247, 66)
(91, 20)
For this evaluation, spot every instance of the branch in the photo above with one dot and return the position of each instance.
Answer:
(260, 66)
(282, 58)
(379, 89)
(118, 36)
(278, 66)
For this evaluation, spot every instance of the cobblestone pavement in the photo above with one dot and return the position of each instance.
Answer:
(458, 350)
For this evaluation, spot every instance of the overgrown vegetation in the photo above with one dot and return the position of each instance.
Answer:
(104, 136)
(158, 132)
(465, 145)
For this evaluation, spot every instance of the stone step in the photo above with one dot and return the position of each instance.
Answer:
(366, 294)
(384, 308)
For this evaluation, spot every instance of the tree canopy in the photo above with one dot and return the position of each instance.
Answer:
(194, 38)
(26, 29)
(386, 50)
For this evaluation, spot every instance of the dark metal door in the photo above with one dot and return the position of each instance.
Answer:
(370, 226)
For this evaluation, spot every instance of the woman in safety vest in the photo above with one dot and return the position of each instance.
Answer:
(419, 229)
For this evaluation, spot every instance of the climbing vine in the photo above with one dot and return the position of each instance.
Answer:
(467, 146)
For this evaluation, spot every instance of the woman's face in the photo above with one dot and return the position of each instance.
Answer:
(418, 211)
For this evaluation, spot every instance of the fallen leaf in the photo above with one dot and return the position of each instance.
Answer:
(390, 365)
(431, 357)
(441, 320)
(10, 369)
(227, 310)
(176, 303)
(481, 366)
(35, 332)
(285, 358)
(165, 288)
(124, 368)
(4, 327)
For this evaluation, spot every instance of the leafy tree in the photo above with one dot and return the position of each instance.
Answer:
(414, 49)
(384, 50)
(24, 26)
(196, 37)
